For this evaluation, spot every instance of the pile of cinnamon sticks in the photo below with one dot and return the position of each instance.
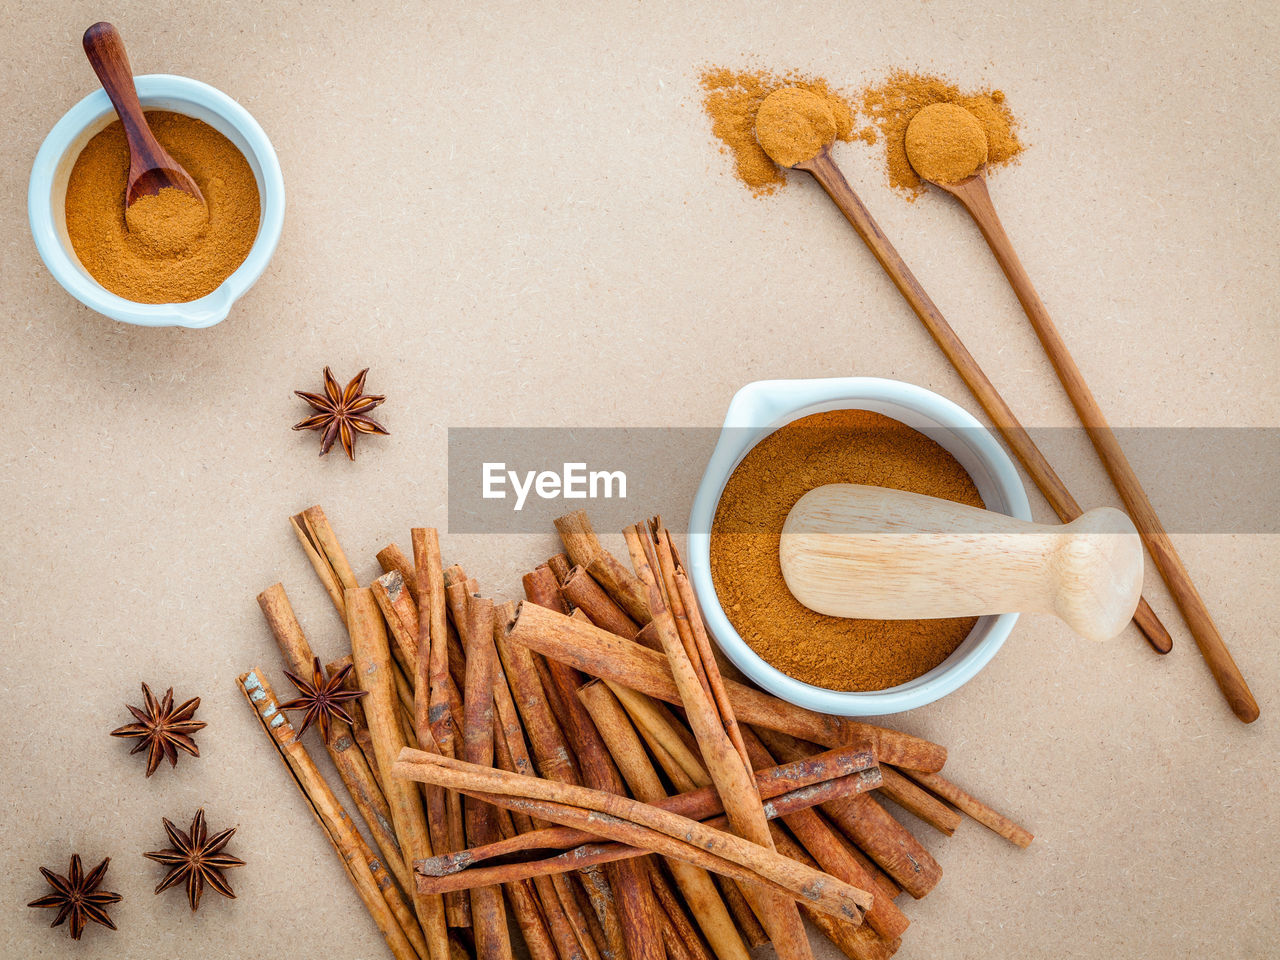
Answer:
(584, 766)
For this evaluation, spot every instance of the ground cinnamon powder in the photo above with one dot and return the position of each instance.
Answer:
(946, 143)
(793, 125)
(892, 104)
(166, 248)
(841, 446)
(732, 98)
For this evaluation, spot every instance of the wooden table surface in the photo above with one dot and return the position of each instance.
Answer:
(515, 214)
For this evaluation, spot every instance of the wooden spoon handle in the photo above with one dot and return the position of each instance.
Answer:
(828, 175)
(849, 550)
(106, 53)
(972, 193)
(151, 168)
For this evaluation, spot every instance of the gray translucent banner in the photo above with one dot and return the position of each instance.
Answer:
(1204, 480)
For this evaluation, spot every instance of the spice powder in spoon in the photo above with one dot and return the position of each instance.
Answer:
(840, 446)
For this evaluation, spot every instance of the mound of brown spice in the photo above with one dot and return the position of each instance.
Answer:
(840, 446)
(793, 125)
(946, 143)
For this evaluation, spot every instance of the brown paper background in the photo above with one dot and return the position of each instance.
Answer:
(515, 215)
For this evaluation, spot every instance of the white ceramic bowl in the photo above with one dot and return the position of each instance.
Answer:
(760, 408)
(46, 198)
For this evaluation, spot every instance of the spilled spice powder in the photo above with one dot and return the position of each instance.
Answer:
(732, 98)
(840, 446)
(892, 104)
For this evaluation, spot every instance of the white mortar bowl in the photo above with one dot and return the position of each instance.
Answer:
(760, 408)
(46, 198)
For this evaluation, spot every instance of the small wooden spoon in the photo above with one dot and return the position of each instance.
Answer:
(849, 550)
(822, 167)
(974, 197)
(151, 169)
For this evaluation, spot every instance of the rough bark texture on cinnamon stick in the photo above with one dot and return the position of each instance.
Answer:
(871, 828)
(579, 538)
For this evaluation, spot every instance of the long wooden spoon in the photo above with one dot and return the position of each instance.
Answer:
(974, 197)
(823, 169)
(151, 169)
(850, 550)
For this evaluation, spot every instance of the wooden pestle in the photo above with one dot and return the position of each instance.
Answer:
(851, 550)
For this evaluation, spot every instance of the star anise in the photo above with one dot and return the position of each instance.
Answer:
(342, 412)
(161, 729)
(322, 699)
(77, 896)
(196, 859)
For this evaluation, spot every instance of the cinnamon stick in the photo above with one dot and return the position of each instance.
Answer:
(391, 557)
(687, 777)
(856, 942)
(581, 589)
(699, 891)
(321, 546)
(602, 654)
(641, 825)
(350, 763)
(564, 930)
(745, 918)
(579, 538)
(622, 586)
(525, 674)
(681, 939)
(637, 907)
(511, 858)
(401, 614)
(543, 588)
(560, 565)
(715, 727)
(488, 914)
(973, 807)
(871, 828)
(826, 847)
(916, 800)
(360, 730)
(436, 701)
(372, 655)
(398, 926)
